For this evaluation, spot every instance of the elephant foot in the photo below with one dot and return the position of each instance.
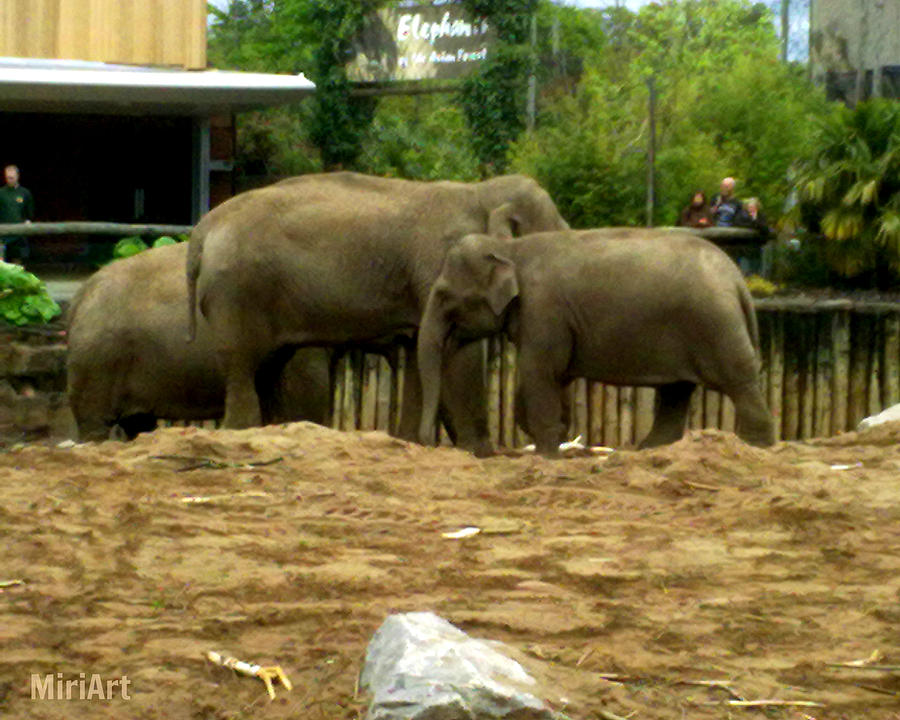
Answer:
(672, 406)
(482, 449)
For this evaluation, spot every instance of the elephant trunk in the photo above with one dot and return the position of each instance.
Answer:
(430, 348)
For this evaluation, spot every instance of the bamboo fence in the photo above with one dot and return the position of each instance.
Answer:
(825, 366)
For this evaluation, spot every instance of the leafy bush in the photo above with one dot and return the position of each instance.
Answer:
(849, 190)
(126, 247)
(421, 137)
(23, 297)
(760, 287)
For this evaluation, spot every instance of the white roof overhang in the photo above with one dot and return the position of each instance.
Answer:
(56, 86)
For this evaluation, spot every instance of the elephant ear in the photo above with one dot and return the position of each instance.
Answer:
(503, 284)
(502, 222)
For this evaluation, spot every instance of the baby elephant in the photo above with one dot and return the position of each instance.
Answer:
(129, 361)
(654, 308)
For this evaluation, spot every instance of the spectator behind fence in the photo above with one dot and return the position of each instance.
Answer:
(725, 206)
(16, 206)
(752, 216)
(697, 212)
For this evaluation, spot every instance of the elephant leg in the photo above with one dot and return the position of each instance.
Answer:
(305, 391)
(242, 408)
(464, 398)
(565, 409)
(542, 397)
(411, 402)
(268, 381)
(672, 405)
(411, 409)
(753, 421)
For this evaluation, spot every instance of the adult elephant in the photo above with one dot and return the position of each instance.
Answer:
(343, 258)
(663, 309)
(128, 364)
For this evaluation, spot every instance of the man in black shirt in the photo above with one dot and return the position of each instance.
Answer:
(16, 206)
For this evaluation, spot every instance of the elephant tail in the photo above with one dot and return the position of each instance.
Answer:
(194, 257)
(749, 313)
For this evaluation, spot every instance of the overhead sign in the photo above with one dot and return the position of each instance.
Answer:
(416, 41)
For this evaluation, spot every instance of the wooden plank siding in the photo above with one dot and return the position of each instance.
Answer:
(131, 32)
(823, 370)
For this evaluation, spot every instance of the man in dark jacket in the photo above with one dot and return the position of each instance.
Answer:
(725, 206)
(16, 206)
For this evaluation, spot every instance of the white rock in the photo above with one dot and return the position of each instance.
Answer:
(420, 667)
(892, 413)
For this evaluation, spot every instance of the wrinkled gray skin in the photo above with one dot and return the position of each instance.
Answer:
(343, 258)
(666, 310)
(129, 363)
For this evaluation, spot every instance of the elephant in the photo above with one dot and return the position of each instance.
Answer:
(343, 257)
(668, 310)
(128, 363)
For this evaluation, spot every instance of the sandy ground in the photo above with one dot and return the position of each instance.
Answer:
(656, 584)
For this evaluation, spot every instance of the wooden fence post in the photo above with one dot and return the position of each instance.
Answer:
(807, 374)
(643, 416)
(611, 415)
(891, 360)
(840, 338)
(824, 376)
(859, 370)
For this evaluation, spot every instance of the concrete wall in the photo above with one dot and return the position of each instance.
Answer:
(848, 34)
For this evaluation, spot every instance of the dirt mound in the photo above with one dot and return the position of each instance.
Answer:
(664, 583)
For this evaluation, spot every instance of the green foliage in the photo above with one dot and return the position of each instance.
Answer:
(23, 297)
(243, 37)
(339, 122)
(420, 137)
(849, 190)
(596, 178)
(724, 106)
(310, 36)
(493, 96)
(126, 247)
(274, 143)
(760, 287)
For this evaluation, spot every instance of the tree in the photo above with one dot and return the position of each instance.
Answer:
(849, 188)
(725, 106)
(493, 96)
(310, 36)
(421, 137)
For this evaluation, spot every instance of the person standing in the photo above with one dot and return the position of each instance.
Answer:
(752, 216)
(725, 206)
(16, 206)
(696, 213)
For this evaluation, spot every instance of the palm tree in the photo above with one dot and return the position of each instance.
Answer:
(849, 188)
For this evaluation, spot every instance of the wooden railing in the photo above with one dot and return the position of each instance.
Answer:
(75, 227)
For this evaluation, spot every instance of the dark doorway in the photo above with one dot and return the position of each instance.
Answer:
(99, 168)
